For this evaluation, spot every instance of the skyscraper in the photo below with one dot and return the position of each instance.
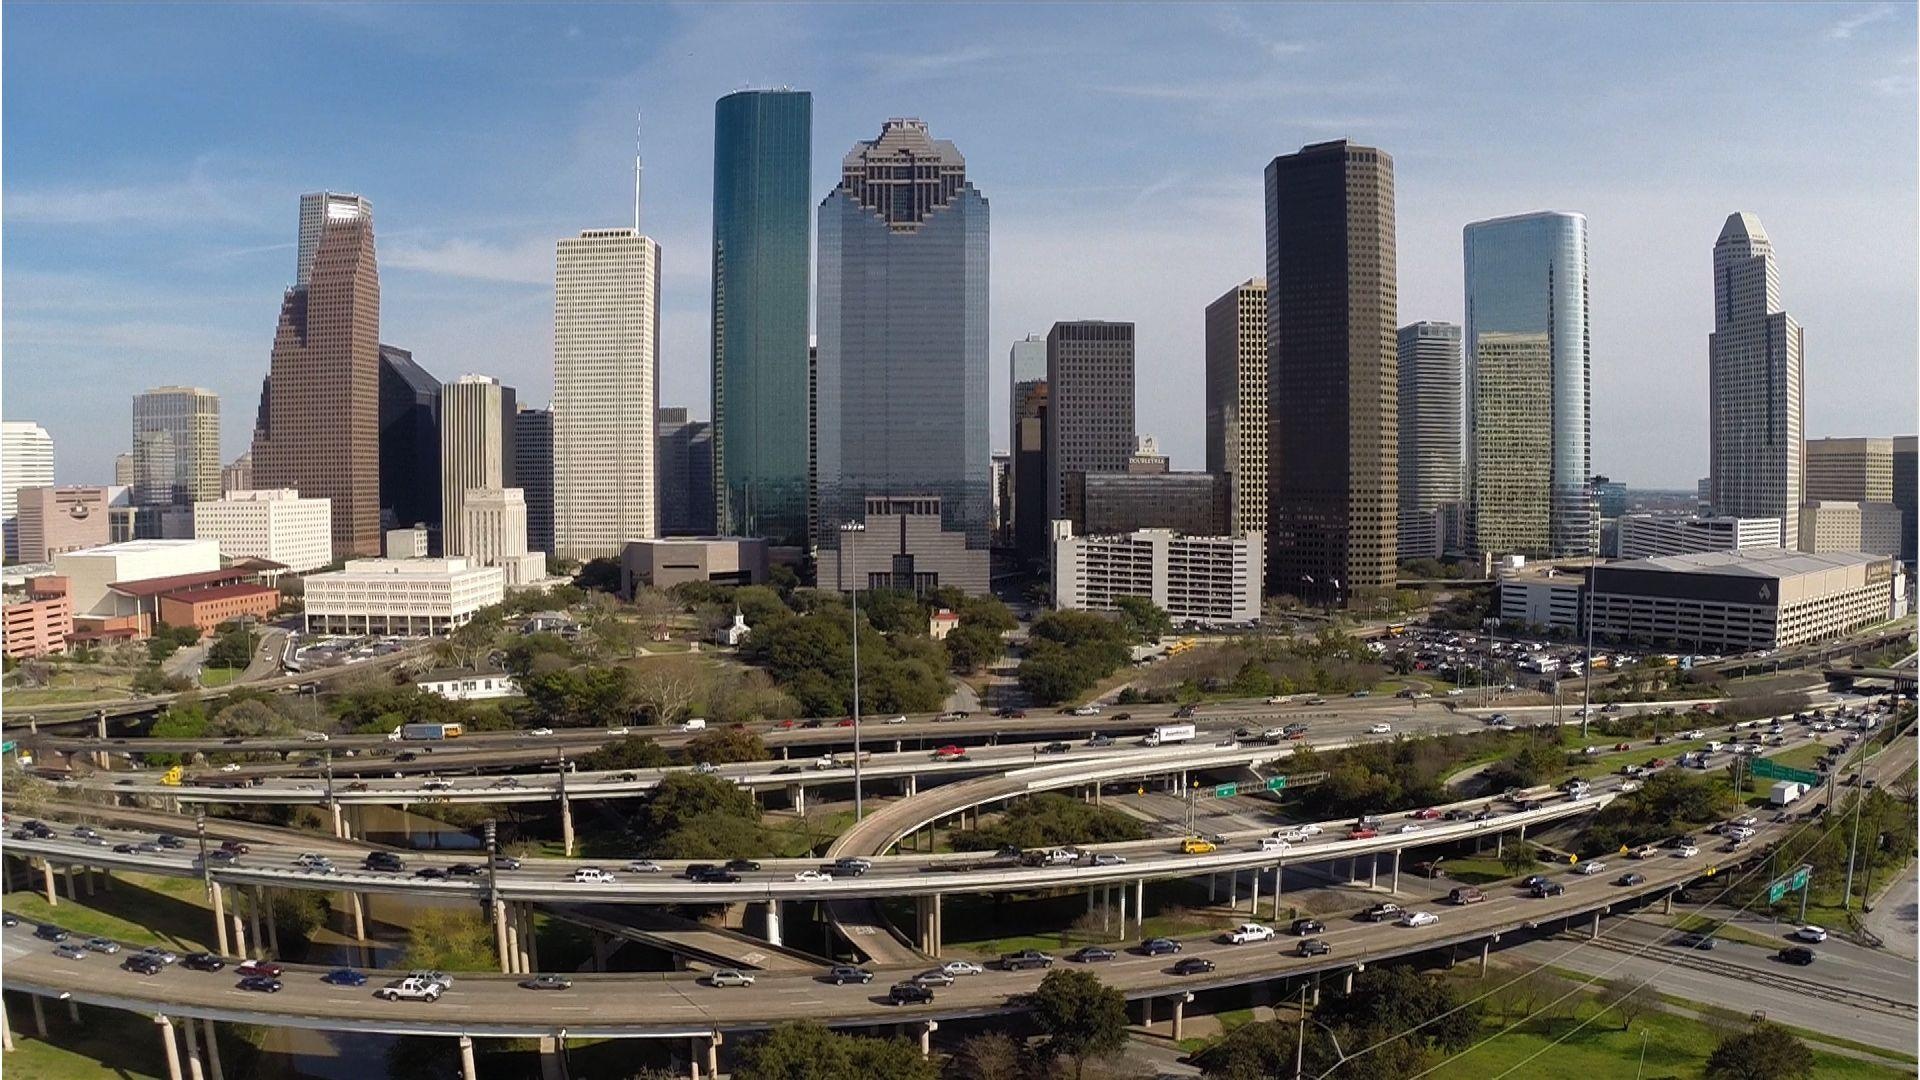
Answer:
(533, 471)
(1237, 400)
(1430, 391)
(606, 378)
(26, 460)
(686, 474)
(176, 446)
(1027, 435)
(474, 437)
(1332, 384)
(1526, 285)
(762, 200)
(1753, 384)
(1089, 405)
(903, 335)
(320, 417)
(409, 442)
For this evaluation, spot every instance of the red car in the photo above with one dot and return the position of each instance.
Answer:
(784, 724)
(1623, 746)
(1362, 834)
(845, 721)
(1657, 763)
(1427, 813)
(258, 967)
(948, 751)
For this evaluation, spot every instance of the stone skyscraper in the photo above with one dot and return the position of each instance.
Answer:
(176, 446)
(319, 430)
(1753, 384)
(476, 444)
(26, 460)
(606, 378)
(762, 203)
(1332, 379)
(1089, 405)
(1237, 400)
(1430, 391)
(903, 338)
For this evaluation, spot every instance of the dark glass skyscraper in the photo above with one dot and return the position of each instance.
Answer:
(409, 442)
(903, 335)
(761, 202)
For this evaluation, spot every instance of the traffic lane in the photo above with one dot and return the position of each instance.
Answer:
(1839, 962)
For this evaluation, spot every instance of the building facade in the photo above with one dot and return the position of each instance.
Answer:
(1646, 536)
(237, 475)
(762, 205)
(723, 560)
(1756, 413)
(902, 542)
(402, 597)
(278, 524)
(1089, 405)
(903, 256)
(493, 532)
(92, 573)
(1236, 328)
(1027, 434)
(38, 622)
(1731, 602)
(1203, 579)
(1431, 388)
(476, 435)
(1829, 525)
(176, 446)
(409, 442)
(687, 471)
(26, 460)
(56, 519)
(1868, 470)
(1332, 380)
(1185, 503)
(1609, 496)
(1527, 334)
(533, 470)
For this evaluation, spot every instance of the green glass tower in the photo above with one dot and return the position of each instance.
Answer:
(762, 201)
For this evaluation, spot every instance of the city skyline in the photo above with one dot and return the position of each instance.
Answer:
(468, 283)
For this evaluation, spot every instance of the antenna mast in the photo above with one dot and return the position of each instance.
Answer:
(636, 171)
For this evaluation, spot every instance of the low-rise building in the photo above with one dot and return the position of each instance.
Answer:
(941, 623)
(269, 523)
(1647, 536)
(1204, 579)
(93, 574)
(1826, 525)
(494, 533)
(408, 543)
(401, 597)
(207, 608)
(1737, 601)
(461, 684)
(669, 561)
(39, 622)
(1543, 595)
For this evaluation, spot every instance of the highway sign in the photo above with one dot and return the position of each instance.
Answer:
(8, 746)
(1765, 769)
(1777, 890)
(1226, 791)
(1276, 783)
(1799, 879)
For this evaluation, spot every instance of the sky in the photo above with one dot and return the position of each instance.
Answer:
(153, 157)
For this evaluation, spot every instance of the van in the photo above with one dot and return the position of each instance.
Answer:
(695, 724)
(1466, 894)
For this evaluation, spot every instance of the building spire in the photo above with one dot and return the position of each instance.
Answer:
(637, 168)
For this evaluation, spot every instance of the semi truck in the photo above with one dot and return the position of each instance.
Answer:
(430, 732)
(1169, 733)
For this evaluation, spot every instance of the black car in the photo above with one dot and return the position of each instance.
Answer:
(842, 974)
(123, 849)
(1303, 927)
(1055, 748)
(405, 756)
(1100, 740)
(50, 932)
(1193, 965)
(849, 866)
(717, 876)
(384, 861)
(262, 984)
(1797, 954)
(201, 961)
(1091, 954)
(1695, 941)
(142, 964)
(1534, 881)
(742, 865)
(222, 855)
(547, 982)
(1159, 946)
(1632, 879)
(1183, 712)
(814, 722)
(1381, 912)
(465, 869)
(1548, 888)
(1314, 946)
(910, 993)
(431, 873)
(695, 869)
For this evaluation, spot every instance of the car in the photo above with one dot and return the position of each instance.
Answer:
(592, 875)
(70, 951)
(234, 846)
(896, 720)
(1313, 947)
(1419, 918)
(1291, 836)
(845, 721)
(1100, 739)
(842, 974)
(310, 861)
(50, 932)
(1408, 827)
(1274, 843)
(159, 955)
(706, 768)
(541, 731)
(1646, 851)
(1024, 959)
(409, 989)
(123, 849)
(1380, 729)
(102, 945)
(742, 865)
(1548, 888)
(258, 967)
(933, 977)
(1159, 946)
(1308, 829)
(1055, 748)
(1590, 868)
(259, 984)
(1815, 934)
(1195, 845)
(1193, 965)
(643, 866)
(507, 782)
(201, 961)
(430, 873)
(812, 875)
(465, 869)
(1362, 832)
(1107, 858)
(813, 723)
(1426, 813)
(231, 766)
(438, 978)
(1464, 895)
(383, 861)
(506, 862)
(849, 866)
(1248, 933)
(168, 840)
(910, 993)
(547, 982)
(962, 967)
(141, 965)
(344, 977)
(1303, 927)
(1796, 954)
(1745, 821)
(1703, 942)
(622, 730)
(1381, 912)
(1686, 851)
(1631, 879)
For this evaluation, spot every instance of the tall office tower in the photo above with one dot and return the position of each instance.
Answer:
(686, 471)
(125, 472)
(762, 204)
(176, 446)
(606, 378)
(237, 475)
(903, 336)
(1089, 405)
(1332, 383)
(1002, 498)
(1527, 301)
(26, 460)
(320, 424)
(813, 435)
(409, 442)
(533, 468)
(1866, 471)
(1027, 434)
(1906, 493)
(1430, 392)
(1237, 400)
(1609, 496)
(1753, 384)
(475, 435)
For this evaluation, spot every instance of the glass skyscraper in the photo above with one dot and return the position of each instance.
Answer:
(761, 203)
(1526, 279)
(903, 335)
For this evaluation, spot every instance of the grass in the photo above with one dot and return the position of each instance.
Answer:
(107, 1045)
(219, 676)
(1801, 757)
(142, 909)
(1474, 870)
(1228, 1020)
(1702, 924)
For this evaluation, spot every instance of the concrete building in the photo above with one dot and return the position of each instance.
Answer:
(408, 543)
(1529, 378)
(460, 684)
(1186, 503)
(606, 378)
(1866, 470)
(39, 620)
(401, 597)
(686, 477)
(56, 519)
(722, 560)
(1002, 491)
(1829, 525)
(125, 473)
(903, 257)
(1089, 405)
(1027, 365)
(319, 425)
(533, 471)
(1430, 393)
(206, 607)
(409, 442)
(1543, 596)
(176, 446)
(1645, 536)
(92, 573)
(1146, 459)
(1203, 579)
(903, 544)
(1756, 411)
(277, 524)
(1236, 435)
(1731, 602)
(476, 439)
(493, 532)
(1332, 379)
(26, 460)
(762, 209)
(1609, 496)
(237, 475)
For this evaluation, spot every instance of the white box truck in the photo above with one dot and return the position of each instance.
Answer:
(1169, 733)
(1785, 792)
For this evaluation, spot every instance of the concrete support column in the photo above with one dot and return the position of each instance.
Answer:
(1279, 874)
(1146, 1014)
(239, 926)
(939, 924)
(1346, 982)
(913, 784)
(1668, 902)
(359, 905)
(220, 918)
(500, 937)
(693, 1058)
(190, 1030)
(339, 827)
(713, 1054)
(552, 1058)
(1140, 905)
(467, 1071)
(71, 894)
(773, 923)
(1396, 871)
(1499, 844)
(106, 879)
(1213, 887)
(797, 796)
(6, 1030)
(46, 874)
(1180, 1014)
(173, 1050)
(39, 1015)
(1106, 908)
(1253, 902)
(1593, 931)
(213, 1050)
(1123, 909)
(1485, 948)
(253, 919)
(566, 825)
(531, 938)
(510, 960)
(1373, 871)
(927, 1028)
(86, 878)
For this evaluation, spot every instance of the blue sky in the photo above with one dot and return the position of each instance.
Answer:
(154, 156)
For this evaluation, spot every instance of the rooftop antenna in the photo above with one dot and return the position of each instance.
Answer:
(636, 171)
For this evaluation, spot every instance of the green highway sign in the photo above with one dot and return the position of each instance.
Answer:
(1226, 791)
(1763, 768)
(8, 746)
(1799, 879)
(1777, 890)
(1276, 783)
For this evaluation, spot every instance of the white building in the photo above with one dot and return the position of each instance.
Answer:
(90, 570)
(473, 450)
(1753, 383)
(494, 525)
(26, 460)
(1209, 579)
(271, 523)
(456, 684)
(407, 543)
(1737, 601)
(606, 376)
(1544, 596)
(1646, 536)
(1828, 525)
(404, 597)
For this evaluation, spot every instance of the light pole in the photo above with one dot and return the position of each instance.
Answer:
(847, 529)
(1586, 687)
(200, 829)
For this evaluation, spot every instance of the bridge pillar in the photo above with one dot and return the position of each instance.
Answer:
(173, 1049)
(797, 797)
(500, 936)
(1668, 909)
(1593, 930)
(86, 878)
(106, 879)
(1253, 902)
(220, 917)
(1485, 948)
(772, 923)
(194, 1069)
(253, 920)
(1346, 982)
(1213, 887)
(566, 825)
(913, 785)
(239, 924)
(359, 905)
(1146, 1014)
(510, 960)
(467, 1071)
(1279, 873)
(713, 1054)
(927, 1028)
(553, 1064)
(39, 1015)
(339, 826)
(1373, 871)
(213, 1050)
(1396, 871)
(1140, 904)
(1180, 1013)
(1123, 909)
(46, 874)
(73, 1012)
(1499, 844)
(71, 894)
(6, 1029)
(529, 939)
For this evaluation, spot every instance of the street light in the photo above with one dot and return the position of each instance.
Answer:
(200, 828)
(847, 529)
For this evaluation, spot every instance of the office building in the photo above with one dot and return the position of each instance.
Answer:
(685, 484)
(1431, 386)
(1646, 536)
(1738, 601)
(26, 460)
(1026, 419)
(1089, 405)
(1544, 597)
(408, 543)
(1529, 382)
(813, 435)
(39, 620)
(903, 337)
(476, 435)
(51, 520)
(278, 525)
(1186, 503)
(1829, 525)
(1002, 491)
(1868, 470)
(1609, 496)
(1203, 579)
(319, 429)
(1146, 458)
(719, 560)
(409, 442)
(1332, 381)
(606, 378)
(401, 597)
(236, 475)
(493, 532)
(125, 473)
(762, 202)
(176, 446)
(93, 574)
(1756, 414)
(903, 543)
(533, 470)
(1236, 436)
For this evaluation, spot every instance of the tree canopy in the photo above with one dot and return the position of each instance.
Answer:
(1082, 1017)
(1763, 1052)
(806, 1050)
(1049, 819)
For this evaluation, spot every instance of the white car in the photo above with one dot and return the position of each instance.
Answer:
(1273, 734)
(1274, 843)
(1409, 827)
(315, 736)
(1419, 918)
(542, 731)
(729, 977)
(409, 989)
(231, 766)
(1628, 786)
(812, 875)
(1811, 933)
(618, 730)
(1590, 868)
(1380, 729)
(1686, 851)
(1735, 832)
(1646, 851)
(957, 968)
(1745, 821)
(706, 768)
(592, 875)
(1087, 710)
(1290, 836)
(643, 866)
(897, 720)
(1248, 933)
(1308, 829)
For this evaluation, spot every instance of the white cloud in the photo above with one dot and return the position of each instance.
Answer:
(910, 65)
(1845, 28)
(191, 202)
(529, 262)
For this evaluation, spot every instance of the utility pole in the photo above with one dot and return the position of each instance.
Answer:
(1586, 687)
(1300, 1040)
(847, 529)
(1853, 846)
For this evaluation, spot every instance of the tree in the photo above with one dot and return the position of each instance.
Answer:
(250, 717)
(1397, 998)
(1082, 1017)
(1144, 619)
(522, 657)
(233, 649)
(724, 746)
(613, 636)
(581, 697)
(1048, 820)
(807, 1050)
(990, 1055)
(683, 798)
(626, 752)
(450, 939)
(972, 647)
(666, 687)
(1763, 1052)
(599, 575)
(1519, 857)
(1250, 1052)
(1629, 999)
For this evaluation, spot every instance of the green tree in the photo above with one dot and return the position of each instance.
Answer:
(1144, 619)
(450, 939)
(1051, 673)
(891, 611)
(251, 717)
(1763, 1052)
(990, 1055)
(581, 697)
(1048, 820)
(971, 647)
(1519, 857)
(522, 657)
(627, 752)
(1082, 1017)
(807, 1050)
(1399, 998)
(599, 575)
(1250, 1052)
(684, 797)
(233, 649)
(724, 746)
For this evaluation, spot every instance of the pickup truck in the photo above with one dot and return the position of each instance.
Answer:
(409, 989)
(1248, 933)
(1025, 959)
